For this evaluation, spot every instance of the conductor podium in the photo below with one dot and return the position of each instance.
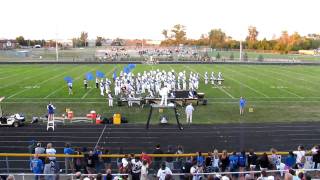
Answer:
(157, 106)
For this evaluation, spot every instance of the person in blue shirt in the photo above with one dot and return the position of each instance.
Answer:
(50, 109)
(200, 159)
(290, 160)
(68, 160)
(242, 103)
(234, 162)
(36, 166)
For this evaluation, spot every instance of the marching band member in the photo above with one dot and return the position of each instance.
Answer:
(110, 99)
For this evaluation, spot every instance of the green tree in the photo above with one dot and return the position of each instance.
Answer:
(217, 38)
(21, 41)
(99, 41)
(179, 34)
(252, 37)
(84, 39)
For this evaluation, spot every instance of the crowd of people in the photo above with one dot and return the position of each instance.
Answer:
(143, 167)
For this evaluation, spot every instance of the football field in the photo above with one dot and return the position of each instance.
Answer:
(275, 93)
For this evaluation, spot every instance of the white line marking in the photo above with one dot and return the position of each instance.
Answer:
(226, 92)
(263, 83)
(28, 77)
(100, 136)
(54, 77)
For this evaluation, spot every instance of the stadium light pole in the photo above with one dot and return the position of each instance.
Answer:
(240, 58)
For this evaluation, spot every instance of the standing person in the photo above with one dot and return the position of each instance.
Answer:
(36, 166)
(301, 159)
(40, 150)
(163, 171)
(50, 109)
(97, 83)
(85, 83)
(157, 160)
(110, 99)
(189, 111)
(68, 160)
(242, 103)
(144, 170)
(70, 87)
(136, 166)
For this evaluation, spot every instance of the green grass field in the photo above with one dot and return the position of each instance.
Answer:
(276, 93)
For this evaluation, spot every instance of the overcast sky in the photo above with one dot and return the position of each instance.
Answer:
(43, 19)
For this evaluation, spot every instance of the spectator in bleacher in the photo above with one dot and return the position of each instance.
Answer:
(264, 162)
(78, 161)
(136, 166)
(234, 163)
(301, 159)
(215, 161)
(99, 163)
(69, 164)
(224, 161)
(36, 166)
(146, 157)
(99, 176)
(200, 159)
(108, 175)
(144, 170)
(10, 177)
(169, 160)
(263, 175)
(40, 150)
(50, 150)
(90, 161)
(242, 161)
(274, 161)
(316, 156)
(290, 160)
(106, 160)
(195, 169)
(49, 168)
(163, 171)
(180, 160)
(157, 160)
(124, 166)
(252, 160)
(208, 163)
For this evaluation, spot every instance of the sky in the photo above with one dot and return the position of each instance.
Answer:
(145, 19)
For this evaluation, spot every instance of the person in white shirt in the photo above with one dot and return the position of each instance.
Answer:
(52, 151)
(144, 170)
(110, 99)
(164, 96)
(189, 111)
(163, 171)
(300, 153)
(136, 165)
(70, 88)
(194, 170)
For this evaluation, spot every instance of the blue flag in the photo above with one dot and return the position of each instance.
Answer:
(126, 69)
(89, 76)
(100, 74)
(131, 66)
(68, 79)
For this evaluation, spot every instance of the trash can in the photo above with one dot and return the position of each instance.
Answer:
(117, 118)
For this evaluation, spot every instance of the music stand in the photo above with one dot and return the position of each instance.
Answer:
(156, 106)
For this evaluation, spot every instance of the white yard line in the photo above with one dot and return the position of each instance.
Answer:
(295, 84)
(55, 91)
(226, 92)
(251, 88)
(85, 95)
(6, 77)
(54, 77)
(28, 77)
(287, 91)
(300, 74)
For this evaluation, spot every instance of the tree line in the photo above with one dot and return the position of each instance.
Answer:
(218, 39)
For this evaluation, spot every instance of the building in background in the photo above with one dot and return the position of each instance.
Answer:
(7, 44)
